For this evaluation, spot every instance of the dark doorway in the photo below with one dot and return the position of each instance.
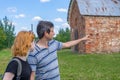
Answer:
(76, 48)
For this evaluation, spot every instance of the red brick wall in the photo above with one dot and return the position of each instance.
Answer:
(105, 32)
(77, 24)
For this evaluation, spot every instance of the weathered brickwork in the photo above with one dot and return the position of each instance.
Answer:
(103, 30)
(77, 24)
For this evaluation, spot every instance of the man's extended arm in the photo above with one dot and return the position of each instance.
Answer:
(74, 42)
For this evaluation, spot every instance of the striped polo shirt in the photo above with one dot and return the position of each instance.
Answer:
(44, 61)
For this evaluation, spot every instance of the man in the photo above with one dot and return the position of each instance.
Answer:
(43, 59)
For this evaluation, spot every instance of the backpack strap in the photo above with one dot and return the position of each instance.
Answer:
(19, 69)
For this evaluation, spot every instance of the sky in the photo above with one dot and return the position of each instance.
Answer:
(24, 13)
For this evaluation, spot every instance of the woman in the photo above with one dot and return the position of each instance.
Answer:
(21, 47)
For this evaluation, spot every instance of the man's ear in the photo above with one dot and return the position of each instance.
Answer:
(45, 33)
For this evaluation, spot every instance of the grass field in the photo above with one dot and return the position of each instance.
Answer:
(75, 66)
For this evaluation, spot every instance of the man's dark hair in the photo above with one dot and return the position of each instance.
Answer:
(42, 27)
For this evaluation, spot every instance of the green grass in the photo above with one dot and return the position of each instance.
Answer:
(75, 66)
(5, 56)
(89, 66)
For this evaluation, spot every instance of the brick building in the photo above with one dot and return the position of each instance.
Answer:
(100, 19)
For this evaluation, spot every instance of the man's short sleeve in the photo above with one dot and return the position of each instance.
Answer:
(59, 45)
(32, 62)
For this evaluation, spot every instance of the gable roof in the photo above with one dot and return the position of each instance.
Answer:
(98, 7)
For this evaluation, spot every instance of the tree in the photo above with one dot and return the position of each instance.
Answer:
(2, 36)
(8, 30)
(64, 35)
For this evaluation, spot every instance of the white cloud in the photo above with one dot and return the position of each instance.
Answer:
(62, 10)
(10, 22)
(37, 18)
(14, 23)
(43, 1)
(58, 20)
(56, 30)
(20, 16)
(12, 9)
(24, 28)
(66, 25)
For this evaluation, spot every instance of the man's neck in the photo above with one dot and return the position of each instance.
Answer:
(43, 43)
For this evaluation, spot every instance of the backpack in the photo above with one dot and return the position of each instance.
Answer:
(19, 68)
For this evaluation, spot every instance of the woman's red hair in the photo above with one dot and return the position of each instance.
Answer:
(22, 43)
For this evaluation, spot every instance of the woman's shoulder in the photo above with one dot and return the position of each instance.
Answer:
(13, 62)
(12, 66)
